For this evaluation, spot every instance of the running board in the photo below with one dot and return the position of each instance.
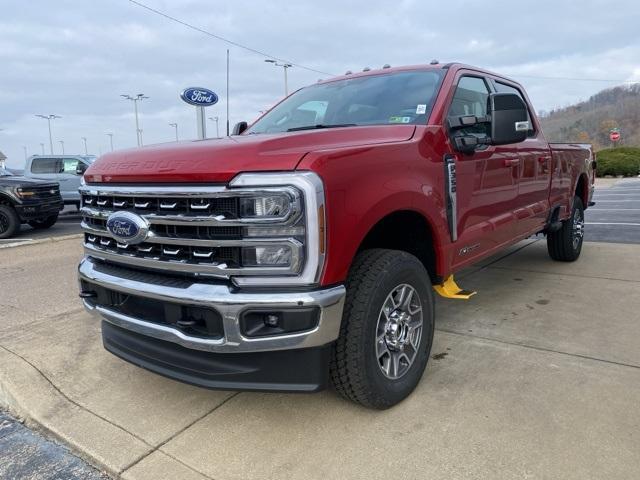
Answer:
(450, 289)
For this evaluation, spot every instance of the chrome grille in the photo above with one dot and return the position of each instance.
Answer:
(227, 207)
(193, 230)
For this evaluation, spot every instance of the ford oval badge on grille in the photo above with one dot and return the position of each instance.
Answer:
(127, 227)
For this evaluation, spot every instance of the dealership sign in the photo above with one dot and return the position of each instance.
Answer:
(199, 97)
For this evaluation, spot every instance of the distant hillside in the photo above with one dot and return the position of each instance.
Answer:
(591, 121)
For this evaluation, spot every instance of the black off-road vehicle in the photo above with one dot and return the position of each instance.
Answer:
(27, 200)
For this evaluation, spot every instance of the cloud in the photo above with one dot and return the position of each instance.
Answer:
(74, 58)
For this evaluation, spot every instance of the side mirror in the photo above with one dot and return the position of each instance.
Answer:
(239, 127)
(509, 123)
(81, 168)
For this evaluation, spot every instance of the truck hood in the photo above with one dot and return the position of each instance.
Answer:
(219, 160)
(20, 181)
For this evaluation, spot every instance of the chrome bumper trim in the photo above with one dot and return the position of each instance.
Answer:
(229, 305)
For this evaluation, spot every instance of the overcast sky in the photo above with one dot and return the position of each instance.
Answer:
(74, 58)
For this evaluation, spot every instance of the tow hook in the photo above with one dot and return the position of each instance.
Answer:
(87, 294)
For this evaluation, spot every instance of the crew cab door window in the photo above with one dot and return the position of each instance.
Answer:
(470, 98)
(46, 165)
(69, 166)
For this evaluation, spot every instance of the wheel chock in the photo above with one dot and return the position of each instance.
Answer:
(450, 289)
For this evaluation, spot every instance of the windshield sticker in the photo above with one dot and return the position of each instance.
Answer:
(421, 109)
(399, 119)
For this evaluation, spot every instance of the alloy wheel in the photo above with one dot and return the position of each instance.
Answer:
(399, 331)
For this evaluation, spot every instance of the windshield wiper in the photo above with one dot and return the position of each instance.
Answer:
(320, 125)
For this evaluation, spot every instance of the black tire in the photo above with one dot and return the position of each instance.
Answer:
(9, 221)
(565, 244)
(355, 367)
(45, 223)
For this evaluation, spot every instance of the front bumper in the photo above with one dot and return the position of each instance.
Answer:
(291, 361)
(33, 211)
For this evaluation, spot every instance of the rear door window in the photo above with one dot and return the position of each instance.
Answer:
(46, 165)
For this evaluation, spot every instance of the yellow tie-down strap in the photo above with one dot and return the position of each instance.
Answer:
(450, 289)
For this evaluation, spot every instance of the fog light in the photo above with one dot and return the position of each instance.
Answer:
(271, 320)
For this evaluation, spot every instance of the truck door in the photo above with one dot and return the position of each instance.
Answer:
(70, 180)
(534, 173)
(486, 179)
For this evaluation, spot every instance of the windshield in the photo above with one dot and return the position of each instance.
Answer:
(394, 98)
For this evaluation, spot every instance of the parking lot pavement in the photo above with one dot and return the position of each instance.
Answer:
(27, 455)
(616, 215)
(68, 224)
(538, 376)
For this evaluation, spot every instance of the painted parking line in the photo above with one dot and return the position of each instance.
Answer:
(612, 223)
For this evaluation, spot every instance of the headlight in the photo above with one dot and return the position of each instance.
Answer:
(282, 215)
(269, 206)
(22, 193)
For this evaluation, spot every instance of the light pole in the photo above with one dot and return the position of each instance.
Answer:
(42, 147)
(216, 119)
(84, 140)
(62, 146)
(285, 67)
(48, 118)
(139, 97)
(110, 135)
(175, 125)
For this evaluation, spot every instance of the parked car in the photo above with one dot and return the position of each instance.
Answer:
(67, 170)
(309, 245)
(26, 200)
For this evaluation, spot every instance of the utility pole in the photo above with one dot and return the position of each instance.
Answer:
(62, 146)
(139, 97)
(175, 125)
(110, 135)
(215, 119)
(84, 140)
(285, 67)
(227, 92)
(48, 118)
(42, 147)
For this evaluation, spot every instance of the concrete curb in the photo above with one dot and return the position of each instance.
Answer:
(29, 395)
(38, 241)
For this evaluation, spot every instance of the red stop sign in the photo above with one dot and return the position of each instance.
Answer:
(614, 136)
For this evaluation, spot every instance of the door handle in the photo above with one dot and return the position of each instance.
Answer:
(511, 162)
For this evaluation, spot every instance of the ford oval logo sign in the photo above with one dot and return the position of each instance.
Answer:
(127, 227)
(200, 97)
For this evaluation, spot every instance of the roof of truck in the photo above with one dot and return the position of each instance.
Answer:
(430, 66)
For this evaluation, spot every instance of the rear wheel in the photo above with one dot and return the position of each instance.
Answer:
(9, 221)
(565, 244)
(44, 223)
(387, 329)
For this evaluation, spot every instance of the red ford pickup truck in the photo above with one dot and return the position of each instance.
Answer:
(308, 246)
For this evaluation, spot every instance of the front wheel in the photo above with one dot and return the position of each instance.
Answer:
(44, 223)
(565, 244)
(386, 331)
(9, 221)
